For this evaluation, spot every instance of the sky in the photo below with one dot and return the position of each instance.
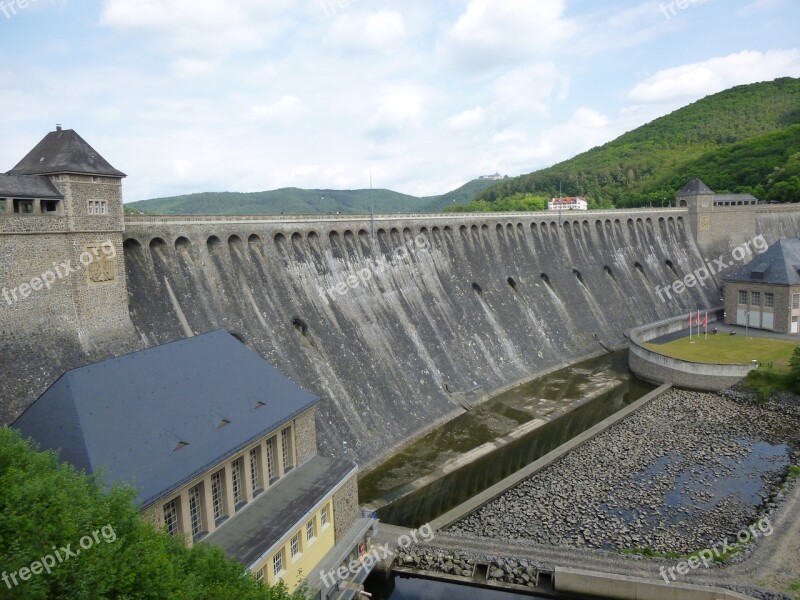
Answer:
(248, 95)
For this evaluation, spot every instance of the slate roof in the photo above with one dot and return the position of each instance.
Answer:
(280, 509)
(735, 197)
(64, 151)
(27, 186)
(780, 265)
(695, 186)
(130, 415)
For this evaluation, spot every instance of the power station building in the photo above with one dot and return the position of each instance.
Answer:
(220, 447)
(765, 293)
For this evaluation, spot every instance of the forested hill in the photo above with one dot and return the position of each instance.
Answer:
(743, 140)
(300, 201)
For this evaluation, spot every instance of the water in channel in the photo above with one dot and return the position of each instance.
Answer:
(559, 399)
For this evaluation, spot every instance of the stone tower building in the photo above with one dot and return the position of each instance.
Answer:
(61, 262)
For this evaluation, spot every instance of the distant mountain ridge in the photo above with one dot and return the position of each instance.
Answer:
(742, 140)
(295, 201)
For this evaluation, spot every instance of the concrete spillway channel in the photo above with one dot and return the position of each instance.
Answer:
(478, 449)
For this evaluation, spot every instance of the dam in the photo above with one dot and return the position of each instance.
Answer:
(399, 322)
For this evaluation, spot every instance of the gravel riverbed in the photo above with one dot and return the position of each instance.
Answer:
(682, 474)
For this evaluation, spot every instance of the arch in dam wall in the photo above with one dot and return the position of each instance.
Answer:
(654, 367)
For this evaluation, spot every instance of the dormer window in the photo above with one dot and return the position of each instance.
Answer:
(23, 207)
(49, 207)
(97, 207)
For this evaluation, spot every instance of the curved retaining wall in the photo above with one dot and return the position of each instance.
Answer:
(657, 368)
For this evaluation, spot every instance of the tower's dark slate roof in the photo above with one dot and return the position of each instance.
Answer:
(64, 151)
(780, 264)
(695, 186)
(27, 186)
(129, 416)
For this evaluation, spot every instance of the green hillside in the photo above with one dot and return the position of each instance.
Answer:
(741, 140)
(299, 201)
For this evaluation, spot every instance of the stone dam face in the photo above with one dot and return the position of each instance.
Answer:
(429, 313)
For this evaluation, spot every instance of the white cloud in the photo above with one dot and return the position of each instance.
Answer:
(489, 33)
(469, 119)
(284, 109)
(716, 74)
(399, 111)
(380, 31)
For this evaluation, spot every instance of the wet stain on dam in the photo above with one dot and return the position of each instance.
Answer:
(398, 333)
(560, 405)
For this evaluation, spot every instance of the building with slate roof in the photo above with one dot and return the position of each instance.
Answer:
(220, 447)
(765, 293)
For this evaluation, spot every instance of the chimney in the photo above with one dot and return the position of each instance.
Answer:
(58, 130)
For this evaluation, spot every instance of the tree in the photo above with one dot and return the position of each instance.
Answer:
(48, 511)
(794, 371)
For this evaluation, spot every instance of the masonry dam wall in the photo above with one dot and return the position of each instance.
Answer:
(476, 304)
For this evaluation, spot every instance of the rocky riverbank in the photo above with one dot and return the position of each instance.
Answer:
(684, 473)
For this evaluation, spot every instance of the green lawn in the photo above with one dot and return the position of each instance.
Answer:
(729, 349)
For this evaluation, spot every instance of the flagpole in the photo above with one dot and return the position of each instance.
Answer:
(690, 326)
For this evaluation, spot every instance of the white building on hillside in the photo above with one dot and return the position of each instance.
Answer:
(568, 203)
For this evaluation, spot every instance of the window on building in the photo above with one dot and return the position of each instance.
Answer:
(171, 517)
(325, 515)
(49, 206)
(295, 545)
(742, 297)
(196, 508)
(23, 207)
(272, 468)
(260, 575)
(756, 300)
(769, 300)
(795, 300)
(310, 530)
(277, 563)
(286, 448)
(3, 202)
(255, 469)
(236, 480)
(218, 493)
(97, 207)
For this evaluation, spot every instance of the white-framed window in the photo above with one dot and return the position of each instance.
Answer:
(196, 508)
(218, 493)
(295, 545)
(756, 299)
(325, 515)
(310, 530)
(272, 469)
(742, 297)
(236, 480)
(795, 300)
(286, 447)
(769, 300)
(255, 469)
(171, 517)
(97, 207)
(277, 564)
(260, 575)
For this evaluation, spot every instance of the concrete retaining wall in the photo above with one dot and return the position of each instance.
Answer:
(656, 368)
(620, 587)
(489, 494)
